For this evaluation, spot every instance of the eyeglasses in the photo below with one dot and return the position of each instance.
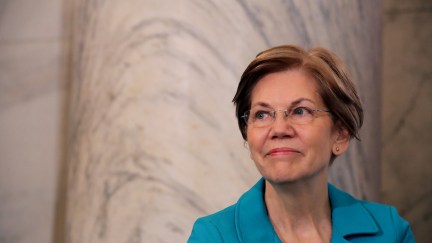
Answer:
(262, 117)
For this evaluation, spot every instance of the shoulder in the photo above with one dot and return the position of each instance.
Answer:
(215, 227)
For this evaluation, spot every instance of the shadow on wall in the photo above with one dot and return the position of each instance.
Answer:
(406, 126)
(60, 223)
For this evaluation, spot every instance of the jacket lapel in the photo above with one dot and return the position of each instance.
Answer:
(349, 216)
(252, 222)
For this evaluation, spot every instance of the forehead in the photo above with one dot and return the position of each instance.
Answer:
(283, 88)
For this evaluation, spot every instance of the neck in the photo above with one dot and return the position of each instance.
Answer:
(300, 209)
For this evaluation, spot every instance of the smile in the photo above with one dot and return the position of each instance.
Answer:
(282, 152)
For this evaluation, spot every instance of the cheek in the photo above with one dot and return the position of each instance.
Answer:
(320, 140)
(255, 140)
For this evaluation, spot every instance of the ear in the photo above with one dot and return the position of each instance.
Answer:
(341, 142)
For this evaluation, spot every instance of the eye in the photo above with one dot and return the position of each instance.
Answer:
(301, 111)
(261, 115)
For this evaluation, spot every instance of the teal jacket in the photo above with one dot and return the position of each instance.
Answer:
(353, 220)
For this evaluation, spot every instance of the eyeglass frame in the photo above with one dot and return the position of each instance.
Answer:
(286, 112)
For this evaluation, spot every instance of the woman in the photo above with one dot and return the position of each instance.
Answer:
(298, 110)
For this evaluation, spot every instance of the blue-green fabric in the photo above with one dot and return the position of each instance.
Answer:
(353, 220)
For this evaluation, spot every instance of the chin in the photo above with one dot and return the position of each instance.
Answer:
(283, 178)
(282, 172)
(293, 178)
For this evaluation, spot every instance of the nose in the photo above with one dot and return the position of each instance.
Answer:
(283, 115)
(281, 127)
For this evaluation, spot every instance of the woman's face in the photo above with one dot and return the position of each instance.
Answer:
(284, 151)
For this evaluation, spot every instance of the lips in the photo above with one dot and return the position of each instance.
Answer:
(282, 151)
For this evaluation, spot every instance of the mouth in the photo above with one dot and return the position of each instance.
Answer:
(282, 152)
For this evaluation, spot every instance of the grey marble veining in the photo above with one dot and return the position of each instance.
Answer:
(153, 137)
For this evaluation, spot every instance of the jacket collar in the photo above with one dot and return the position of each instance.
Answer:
(349, 216)
(251, 219)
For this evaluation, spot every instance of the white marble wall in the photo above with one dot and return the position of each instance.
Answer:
(153, 138)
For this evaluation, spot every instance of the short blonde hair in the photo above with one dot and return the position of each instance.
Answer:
(335, 86)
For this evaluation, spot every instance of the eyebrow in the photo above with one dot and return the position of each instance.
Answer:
(294, 103)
